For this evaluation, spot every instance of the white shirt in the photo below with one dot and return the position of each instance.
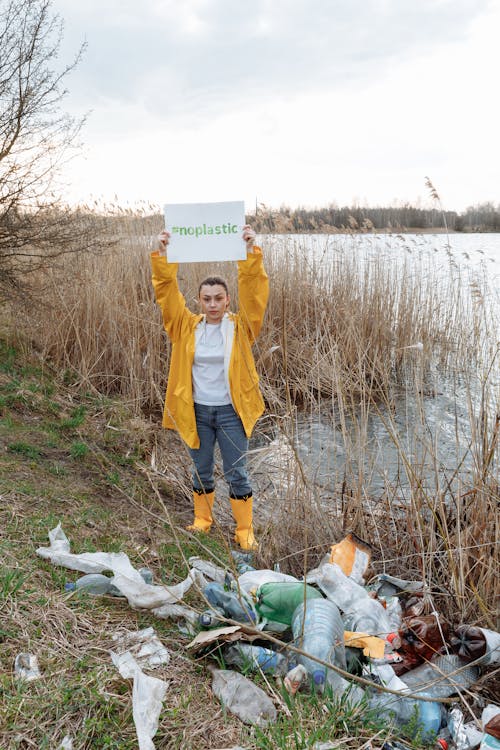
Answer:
(208, 373)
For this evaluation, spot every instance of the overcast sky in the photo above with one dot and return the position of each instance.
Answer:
(297, 102)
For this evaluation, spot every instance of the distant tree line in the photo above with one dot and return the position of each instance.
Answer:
(484, 217)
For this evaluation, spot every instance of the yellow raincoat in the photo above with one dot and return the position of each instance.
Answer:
(243, 328)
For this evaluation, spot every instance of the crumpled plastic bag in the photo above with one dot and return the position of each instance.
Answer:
(209, 569)
(243, 698)
(148, 694)
(66, 744)
(144, 645)
(126, 578)
(26, 667)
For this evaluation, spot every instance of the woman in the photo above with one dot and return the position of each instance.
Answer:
(213, 387)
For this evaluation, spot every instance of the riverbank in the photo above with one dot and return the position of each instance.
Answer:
(71, 457)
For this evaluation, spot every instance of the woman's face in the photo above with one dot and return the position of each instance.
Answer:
(214, 301)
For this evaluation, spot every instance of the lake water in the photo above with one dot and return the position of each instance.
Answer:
(433, 433)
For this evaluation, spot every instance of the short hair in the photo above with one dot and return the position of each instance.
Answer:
(212, 281)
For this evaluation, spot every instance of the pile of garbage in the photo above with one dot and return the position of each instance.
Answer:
(381, 643)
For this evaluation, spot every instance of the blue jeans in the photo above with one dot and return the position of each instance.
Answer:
(220, 423)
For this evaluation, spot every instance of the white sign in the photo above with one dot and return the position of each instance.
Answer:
(205, 231)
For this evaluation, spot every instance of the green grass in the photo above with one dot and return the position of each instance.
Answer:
(75, 470)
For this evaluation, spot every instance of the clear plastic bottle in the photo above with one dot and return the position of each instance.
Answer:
(251, 657)
(319, 631)
(234, 607)
(429, 713)
(278, 601)
(362, 613)
(440, 678)
(338, 587)
(93, 583)
(98, 584)
(368, 616)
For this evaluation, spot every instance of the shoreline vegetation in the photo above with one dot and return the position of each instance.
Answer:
(82, 381)
(406, 218)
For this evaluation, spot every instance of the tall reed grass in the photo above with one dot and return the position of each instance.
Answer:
(350, 336)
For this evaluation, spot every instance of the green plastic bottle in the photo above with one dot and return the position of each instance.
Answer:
(277, 601)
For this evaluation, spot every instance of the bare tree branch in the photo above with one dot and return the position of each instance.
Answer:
(36, 137)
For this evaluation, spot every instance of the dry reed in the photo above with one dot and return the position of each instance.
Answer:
(348, 337)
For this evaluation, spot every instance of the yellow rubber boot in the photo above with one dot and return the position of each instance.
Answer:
(203, 504)
(242, 512)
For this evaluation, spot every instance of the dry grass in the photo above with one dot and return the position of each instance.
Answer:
(347, 337)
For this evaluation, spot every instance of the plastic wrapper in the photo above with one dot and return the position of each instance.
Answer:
(353, 555)
(464, 736)
(294, 679)
(386, 586)
(252, 579)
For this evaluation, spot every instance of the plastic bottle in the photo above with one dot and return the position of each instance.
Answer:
(490, 719)
(93, 583)
(98, 584)
(251, 657)
(234, 607)
(431, 678)
(242, 561)
(420, 639)
(393, 611)
(211, 618)
(368, 616)
(318, 630)
(471, 643)
(364, 614)
(338, 587)
(429, 713)
(278, 601)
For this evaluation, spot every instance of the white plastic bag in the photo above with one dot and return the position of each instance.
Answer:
(126, 578)
(148, 694)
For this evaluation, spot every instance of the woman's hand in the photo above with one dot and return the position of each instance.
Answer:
(249, 237)
(162, 242)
